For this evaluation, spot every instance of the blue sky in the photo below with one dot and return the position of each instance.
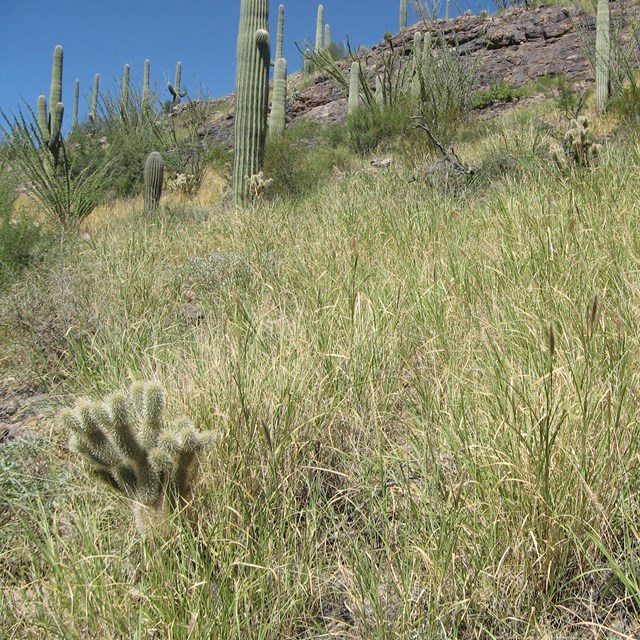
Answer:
(101, 37)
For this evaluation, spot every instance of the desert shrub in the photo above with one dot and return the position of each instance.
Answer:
(498, 92)
(303, 158)
(370, 126)
(18, 236)
(49, 311)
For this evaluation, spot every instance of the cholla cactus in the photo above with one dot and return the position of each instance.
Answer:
(257, 185)
(131, 447)
(579, 146)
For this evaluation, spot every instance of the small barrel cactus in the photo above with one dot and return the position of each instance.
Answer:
(130, 446)
(153, 176)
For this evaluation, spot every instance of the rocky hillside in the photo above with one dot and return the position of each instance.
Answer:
(516, 47)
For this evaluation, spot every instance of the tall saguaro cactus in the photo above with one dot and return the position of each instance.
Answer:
(603, 55)
(252, 94)
(277, 119)
(174, 89)
(280, 32)
(50, 121)
(354, 88)
(94, 99)
(319, 27)
(76, 100)
(145, 84)
(403, 14)
(124, 94)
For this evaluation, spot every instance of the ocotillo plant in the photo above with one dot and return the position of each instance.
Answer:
(603, 54)
(354, 88)
(76, 99)
(124, 94)
(252, 94)
(94, 99)
(403, 14)
(280, 32)
(132, 448)
(277, 119)
(153, 176)
(145, 84)
(50, 122)
(174, 89)
(319, 28)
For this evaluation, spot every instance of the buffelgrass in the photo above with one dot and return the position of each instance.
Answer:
(406, 448)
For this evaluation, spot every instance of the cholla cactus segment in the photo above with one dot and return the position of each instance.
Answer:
(131, 447)
(579, 146)
(258, 185)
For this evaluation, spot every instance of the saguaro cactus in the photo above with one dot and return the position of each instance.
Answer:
(153, 175)
(145, 84)
(319, 27)
(76, 100)
(94, 99)
(124, 93)
(354, 88)
(131, 447)
(277, 119)
(603, 54)
(174, 89)
(280, 33)
(252, 94)
(50, 121)
(327, 36)
(403, 14)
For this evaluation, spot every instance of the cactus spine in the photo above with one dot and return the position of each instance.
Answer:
(174, 89)
(354, 88)
(76, 100)
(403, 14)
(252, 94)
(280, 33)
(153, 175)
(145, 84)
(50, 122)
(603, 53)
(94, 99)
(277, 120)
(131, 447)
(319, 27)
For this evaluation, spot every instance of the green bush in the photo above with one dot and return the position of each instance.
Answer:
(370, 126)
(499, 92)
(304, 157)
(18, 236)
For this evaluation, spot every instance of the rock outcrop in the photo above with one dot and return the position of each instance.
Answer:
(516, 47)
